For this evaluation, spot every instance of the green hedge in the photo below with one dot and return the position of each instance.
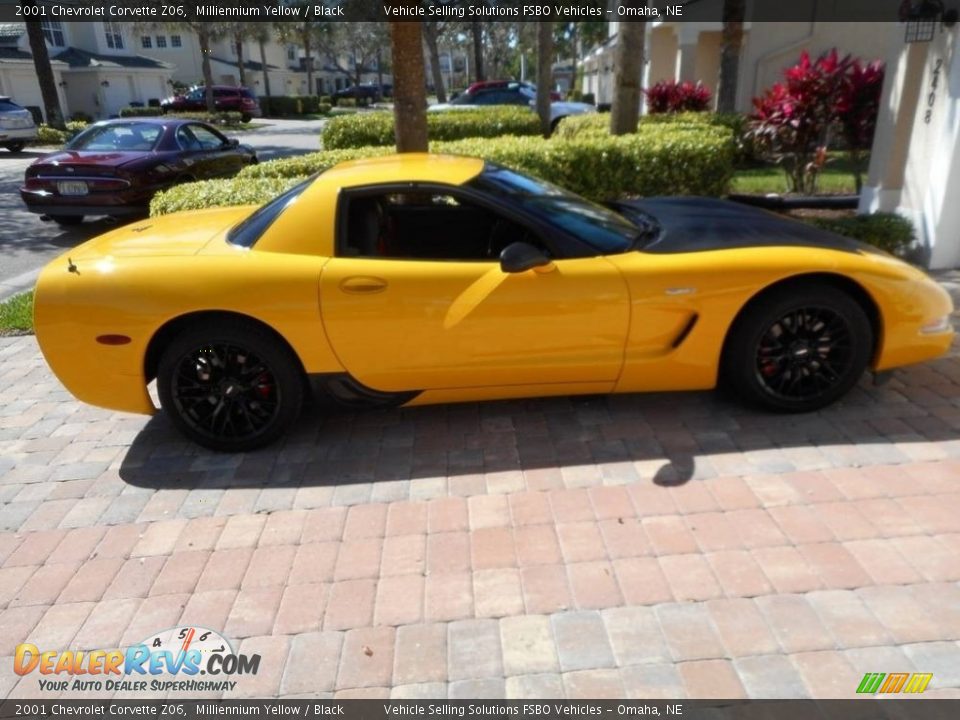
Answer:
(140, 112)
(886, 231)
(376, 128)
(218, 193)
(275, 105)
(656, 161)
(580, 125)
(47, 135)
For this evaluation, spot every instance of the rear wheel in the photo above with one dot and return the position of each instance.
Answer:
(67, 220)
(230, 385)
(798, 349)
(16, 146)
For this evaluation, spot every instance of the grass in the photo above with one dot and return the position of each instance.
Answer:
(836, 178)
(16, 315)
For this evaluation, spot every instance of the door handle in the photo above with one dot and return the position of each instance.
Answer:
(363, 285)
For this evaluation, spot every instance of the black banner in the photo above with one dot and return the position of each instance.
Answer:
(475, 10)
(866, 709)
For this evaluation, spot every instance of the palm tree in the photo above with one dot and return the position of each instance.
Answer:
(409, 83)
(734, 12)
(431, 33)
(48, 83)
(476, 29)
(627, 73)
(262, 36)
(544, 74)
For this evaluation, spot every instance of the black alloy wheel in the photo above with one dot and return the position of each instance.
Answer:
(232, 388)
(798, 349)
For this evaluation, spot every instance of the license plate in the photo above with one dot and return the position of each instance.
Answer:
(72, 187)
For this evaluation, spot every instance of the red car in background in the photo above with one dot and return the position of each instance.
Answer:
(115, 167)
(226, 98)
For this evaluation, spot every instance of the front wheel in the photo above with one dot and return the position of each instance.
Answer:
(230, 385)
(798, 349)
(16, 146)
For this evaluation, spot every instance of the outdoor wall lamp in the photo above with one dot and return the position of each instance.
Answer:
(922, 16)
(105, 84)
(62, 83)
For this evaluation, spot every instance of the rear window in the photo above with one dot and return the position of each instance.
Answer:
(9, 106)
(130, 137)
(249, 231)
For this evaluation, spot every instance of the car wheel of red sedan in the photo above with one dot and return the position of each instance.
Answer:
(67, 219)
(230, 385)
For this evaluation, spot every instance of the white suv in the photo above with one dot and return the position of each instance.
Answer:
(16, 125)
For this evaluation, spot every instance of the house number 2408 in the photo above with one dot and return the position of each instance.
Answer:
(932, 97)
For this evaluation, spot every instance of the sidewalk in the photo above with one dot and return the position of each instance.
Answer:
(634, 546)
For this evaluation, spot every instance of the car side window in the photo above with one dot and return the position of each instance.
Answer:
(426, 225)
(207, 139)
(186, 140)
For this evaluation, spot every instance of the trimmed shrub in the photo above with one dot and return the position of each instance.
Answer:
(217, 118)
(886, 231)
(376, 128)
(347, 102)
(47, 135)
(140, 112)
(80, 116)
(656, 161)
(218, 193)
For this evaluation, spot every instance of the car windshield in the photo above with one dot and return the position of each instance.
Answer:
(9, 106)
(130, 137)
(599, 226)
(247, 232)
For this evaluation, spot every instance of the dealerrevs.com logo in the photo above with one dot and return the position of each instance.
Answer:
(170, 661)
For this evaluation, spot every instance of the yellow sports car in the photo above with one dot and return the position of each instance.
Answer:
(417, 279)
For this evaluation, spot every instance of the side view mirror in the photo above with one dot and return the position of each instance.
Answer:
(233, 142)
(519, 257)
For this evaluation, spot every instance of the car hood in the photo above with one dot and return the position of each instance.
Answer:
(694, 224)
(91, 158)
(178, 234)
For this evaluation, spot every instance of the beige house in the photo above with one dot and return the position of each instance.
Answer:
(96, 68)
(690, 50)
(915, 164)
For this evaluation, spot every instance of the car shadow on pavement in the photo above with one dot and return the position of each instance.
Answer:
(671, 438)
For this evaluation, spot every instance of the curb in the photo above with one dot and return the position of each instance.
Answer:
(18, 284)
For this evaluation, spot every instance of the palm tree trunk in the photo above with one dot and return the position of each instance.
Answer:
(308, 57)
(238, 44)
(477, 29)
(627, 74)
(544, 74)
(409, 84)
(203, 36)
(45, 77)
(733, 15)
(430, 35)
(266, 75)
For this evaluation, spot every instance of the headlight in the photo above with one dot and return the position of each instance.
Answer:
(940, 325)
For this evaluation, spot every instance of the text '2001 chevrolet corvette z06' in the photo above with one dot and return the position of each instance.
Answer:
(418, 279)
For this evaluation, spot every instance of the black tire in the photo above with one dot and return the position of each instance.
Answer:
(797, 348)
(245, 118)
(16, 146)
(67, 220)
(205, 370)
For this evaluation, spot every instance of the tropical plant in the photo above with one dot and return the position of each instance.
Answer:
(792, 119)
(857, 108)
(409, 83)
(670, 96)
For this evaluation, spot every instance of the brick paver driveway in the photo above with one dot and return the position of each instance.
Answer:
(640, 546)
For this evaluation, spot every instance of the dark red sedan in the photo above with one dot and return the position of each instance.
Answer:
(116, 166)
(226, 98)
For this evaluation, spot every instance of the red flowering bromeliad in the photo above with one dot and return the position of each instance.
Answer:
(792, 119)
(670, 96)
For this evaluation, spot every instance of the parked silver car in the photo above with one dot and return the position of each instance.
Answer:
(510, 92)
(16, 125)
